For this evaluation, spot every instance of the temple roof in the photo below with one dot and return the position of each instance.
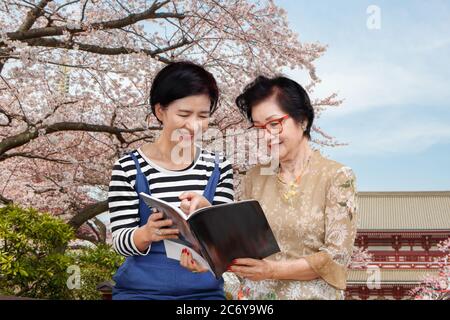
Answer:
(404, 210)
(394, 276)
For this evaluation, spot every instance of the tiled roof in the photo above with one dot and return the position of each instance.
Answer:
(404, 210)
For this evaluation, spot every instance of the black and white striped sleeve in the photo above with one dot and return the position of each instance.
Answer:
(123, 203)
(225, 190)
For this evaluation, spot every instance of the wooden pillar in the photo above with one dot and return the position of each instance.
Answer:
(397, 292)
(426, 245)
(396, 245)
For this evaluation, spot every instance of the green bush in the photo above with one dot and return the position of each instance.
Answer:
(33, 262)
(96, 265)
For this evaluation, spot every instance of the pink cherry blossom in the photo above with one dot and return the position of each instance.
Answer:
(75, 80)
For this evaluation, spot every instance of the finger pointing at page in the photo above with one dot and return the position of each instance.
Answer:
(192, 201)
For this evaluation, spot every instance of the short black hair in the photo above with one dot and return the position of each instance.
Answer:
(182, 79)
(290, 95)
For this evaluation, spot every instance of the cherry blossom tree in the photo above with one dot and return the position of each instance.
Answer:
(436, 287)
(361, 258)
(75, 78)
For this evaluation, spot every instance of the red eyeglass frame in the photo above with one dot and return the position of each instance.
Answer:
(264, 126)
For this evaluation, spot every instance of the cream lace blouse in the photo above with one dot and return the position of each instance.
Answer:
(318, 224)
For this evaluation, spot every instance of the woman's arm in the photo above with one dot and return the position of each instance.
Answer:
(254, 269)
(340, 230)
(225, 187)
(298, 269)
(123, 203)
(127, 237)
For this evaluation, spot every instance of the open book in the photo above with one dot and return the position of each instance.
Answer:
(219, 234)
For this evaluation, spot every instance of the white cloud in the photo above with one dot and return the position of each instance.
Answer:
(365, 86)
(384, 107)
(395, 136)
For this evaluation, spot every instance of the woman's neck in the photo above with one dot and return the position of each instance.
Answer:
(167, 151)
(294, 163)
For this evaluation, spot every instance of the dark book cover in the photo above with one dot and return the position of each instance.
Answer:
(230, 231)
(221, 233)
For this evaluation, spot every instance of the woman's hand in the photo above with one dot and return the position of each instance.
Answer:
(154, 230)
(187, 261)
(191, 201)
(253, 269)
(157, 228)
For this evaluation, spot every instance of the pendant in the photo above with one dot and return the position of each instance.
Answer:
(290, 195)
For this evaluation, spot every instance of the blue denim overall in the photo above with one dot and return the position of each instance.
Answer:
(156, 277)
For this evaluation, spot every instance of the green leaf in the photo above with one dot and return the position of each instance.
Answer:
(23, 273)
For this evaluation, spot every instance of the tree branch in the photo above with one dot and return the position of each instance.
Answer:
(87, 237)
(32, 133)
(8, 117)
(101, 232)
(83, 10)
(55, 43)
(33, 15)
(87, 213)
(104, 25)
(5, 200)
(31, 156)
(4, 56)
(25, 34)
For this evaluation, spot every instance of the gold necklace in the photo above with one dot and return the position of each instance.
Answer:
(293, 186)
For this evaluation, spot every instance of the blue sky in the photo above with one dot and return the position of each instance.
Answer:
(395, 82)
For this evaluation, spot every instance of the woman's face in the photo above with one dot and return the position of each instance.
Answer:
(185, 119)
(281, 144)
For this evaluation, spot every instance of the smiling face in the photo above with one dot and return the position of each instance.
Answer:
(282, 144)
(185, 119)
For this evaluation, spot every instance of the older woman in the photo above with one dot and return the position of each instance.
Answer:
(309, 201)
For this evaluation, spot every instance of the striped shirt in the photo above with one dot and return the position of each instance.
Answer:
(165, 184)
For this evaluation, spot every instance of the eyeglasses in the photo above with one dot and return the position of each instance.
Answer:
(274, 126)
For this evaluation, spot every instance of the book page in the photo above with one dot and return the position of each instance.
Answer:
(173, 251)
(176, 215)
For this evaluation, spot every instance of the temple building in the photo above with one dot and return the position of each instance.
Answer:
(401, 230)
